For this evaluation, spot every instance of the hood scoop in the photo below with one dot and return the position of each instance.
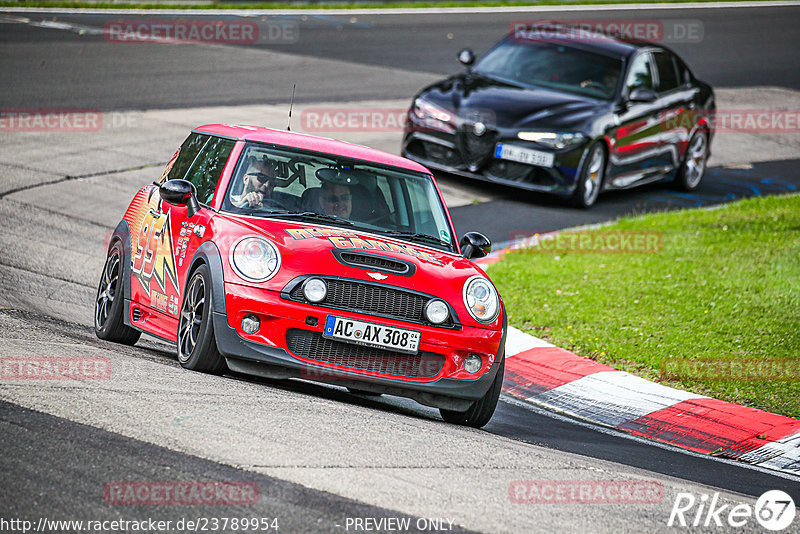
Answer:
(374, 262)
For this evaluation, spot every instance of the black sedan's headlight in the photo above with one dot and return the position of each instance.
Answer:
(433, 116)
(556, 140)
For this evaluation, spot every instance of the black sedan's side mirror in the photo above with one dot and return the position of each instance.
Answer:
(466, 57)
(642, 94)
(475, 245)
(180, 193)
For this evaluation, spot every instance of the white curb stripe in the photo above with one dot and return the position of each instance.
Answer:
(518, 341)
(783, 454)
(611, 397)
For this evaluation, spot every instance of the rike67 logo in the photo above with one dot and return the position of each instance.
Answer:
(774, 510)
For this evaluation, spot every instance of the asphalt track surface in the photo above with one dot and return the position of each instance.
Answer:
(66, 456)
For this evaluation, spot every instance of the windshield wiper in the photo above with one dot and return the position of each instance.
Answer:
(422, 238)
(308, 215)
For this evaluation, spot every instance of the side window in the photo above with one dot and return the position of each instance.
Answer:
(208, 166)
(640, 74)
(186, 155)
(667, 74)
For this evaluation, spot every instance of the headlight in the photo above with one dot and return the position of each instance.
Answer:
(315, 290)
(433, 116)
(553, 139)
(481, 299)
(436, 311)
(255, 259)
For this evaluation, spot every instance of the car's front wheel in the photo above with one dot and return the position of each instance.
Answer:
(109, 323)
(197, 347)
(590, 178)
(482, 409)
(694, 163)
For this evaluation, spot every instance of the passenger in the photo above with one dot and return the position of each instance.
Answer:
(336, 199)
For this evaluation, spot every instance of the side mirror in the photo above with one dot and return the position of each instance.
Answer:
(466, 57)
(180, 193)
(475, 245)
(642, 94)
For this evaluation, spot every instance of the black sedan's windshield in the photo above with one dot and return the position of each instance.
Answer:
(554, 66)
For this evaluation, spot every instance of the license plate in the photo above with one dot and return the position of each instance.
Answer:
(371, 335)
(524, 155)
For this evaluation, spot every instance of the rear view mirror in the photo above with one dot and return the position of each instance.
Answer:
(466, 57)
(475, 245)
(180, 193)
(643, 94)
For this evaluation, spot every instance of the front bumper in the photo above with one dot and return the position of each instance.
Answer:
(266, 353)
(443, 151)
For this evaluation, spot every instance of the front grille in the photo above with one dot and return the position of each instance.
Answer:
(373, 299)
(313, 346)
(369, 261)
(475, 149)
(519, 172)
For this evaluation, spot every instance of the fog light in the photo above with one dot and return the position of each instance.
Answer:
(315, 290)
(250, 324)
(436, 311)
(472, 363)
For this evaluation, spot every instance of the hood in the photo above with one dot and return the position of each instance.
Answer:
(473, 96)
(311, 248)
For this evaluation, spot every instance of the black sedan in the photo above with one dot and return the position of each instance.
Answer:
(567, 116)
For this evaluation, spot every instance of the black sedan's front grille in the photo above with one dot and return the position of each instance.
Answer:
(313, 346)
(373, 299)
(519, 172)
(475, 149)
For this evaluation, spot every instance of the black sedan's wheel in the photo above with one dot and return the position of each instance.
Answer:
(694, 163)
(109, 323)
(590, 179)
(482, 409)
(197, 348)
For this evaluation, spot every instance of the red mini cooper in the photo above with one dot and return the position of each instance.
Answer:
(285, 255)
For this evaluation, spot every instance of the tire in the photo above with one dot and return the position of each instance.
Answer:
(693, 166)
(590, 178)
(482, 409)
(197, 347)
(109, 323)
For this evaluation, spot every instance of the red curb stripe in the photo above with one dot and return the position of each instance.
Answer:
(713, 426)
(540, 369)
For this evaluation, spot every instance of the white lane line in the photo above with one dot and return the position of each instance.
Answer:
(509, 399)
(410, 11)
(518, 341)
(611, 397)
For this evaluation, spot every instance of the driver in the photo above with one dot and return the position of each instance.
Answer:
(259, 181)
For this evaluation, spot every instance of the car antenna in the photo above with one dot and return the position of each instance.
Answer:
(291, 103)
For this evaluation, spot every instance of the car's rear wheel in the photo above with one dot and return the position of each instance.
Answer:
(197, 347)
(482, 409)
(590, 178)
(109, 323)
(693, 166)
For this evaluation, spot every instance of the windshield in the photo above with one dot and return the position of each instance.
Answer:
(281, 182)
(553, 66)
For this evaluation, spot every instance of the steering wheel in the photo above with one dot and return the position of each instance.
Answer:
(594, 84)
